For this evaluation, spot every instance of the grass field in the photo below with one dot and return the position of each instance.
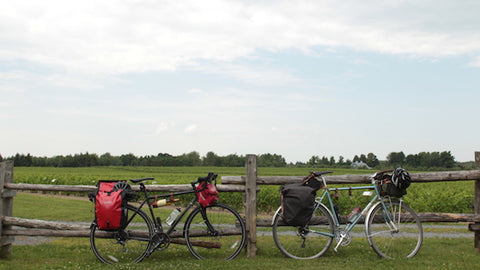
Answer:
(75, 253)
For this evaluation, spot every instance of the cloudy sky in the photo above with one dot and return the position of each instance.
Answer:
(295, 78)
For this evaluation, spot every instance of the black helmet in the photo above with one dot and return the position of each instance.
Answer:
(401, 178)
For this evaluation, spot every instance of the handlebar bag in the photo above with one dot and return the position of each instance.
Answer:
(207, 194)
(298, 202)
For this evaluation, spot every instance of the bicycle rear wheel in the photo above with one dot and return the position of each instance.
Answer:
(403, 240)
(131, 244)
(215, 232)
(311, 241)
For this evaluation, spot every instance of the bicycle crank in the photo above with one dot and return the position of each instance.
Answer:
(161, 242)
(343, 239)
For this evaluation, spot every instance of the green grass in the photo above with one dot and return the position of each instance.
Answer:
(63, 253)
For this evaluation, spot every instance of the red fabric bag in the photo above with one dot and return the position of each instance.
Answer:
(207, 193)
(108, 206)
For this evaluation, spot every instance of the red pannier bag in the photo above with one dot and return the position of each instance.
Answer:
(207, 194)
(109, 205)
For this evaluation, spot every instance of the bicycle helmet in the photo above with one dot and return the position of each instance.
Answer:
(401, 178)
(122, 185)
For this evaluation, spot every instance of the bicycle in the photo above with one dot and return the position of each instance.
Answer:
(392, 228)
(213, 232)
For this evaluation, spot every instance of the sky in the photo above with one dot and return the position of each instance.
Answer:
(294, 78)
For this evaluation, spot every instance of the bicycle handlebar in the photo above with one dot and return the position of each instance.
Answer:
(319, 173)
(209, 179)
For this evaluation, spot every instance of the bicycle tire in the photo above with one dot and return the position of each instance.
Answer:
(309, 242)
(224, 240)
(387, 243)
(131, 244)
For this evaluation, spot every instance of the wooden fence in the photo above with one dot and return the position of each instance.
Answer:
(249, 184)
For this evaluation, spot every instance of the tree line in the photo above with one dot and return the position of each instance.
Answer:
(423, 160)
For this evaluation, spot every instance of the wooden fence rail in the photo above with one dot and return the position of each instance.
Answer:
(249, 184)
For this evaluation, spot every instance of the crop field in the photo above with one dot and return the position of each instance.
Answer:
(451, 197)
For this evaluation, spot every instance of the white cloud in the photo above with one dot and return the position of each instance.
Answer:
(137, 36)
(190, 129)
(162, 127)
(194, 91)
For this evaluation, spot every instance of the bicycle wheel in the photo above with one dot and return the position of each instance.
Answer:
(307, 242)
(131, 244)
(403, 240)
(215, 232)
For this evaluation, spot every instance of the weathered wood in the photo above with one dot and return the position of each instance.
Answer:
(358, 178)
(474, 227)
(86, 233)
(199, 243)
(476, 237)
(85, 188)
(42, 232)
(424, 217)
(251, 205)
(448, 217)
(36, 223)
(34, 227)
(56, 225)
(6, 207)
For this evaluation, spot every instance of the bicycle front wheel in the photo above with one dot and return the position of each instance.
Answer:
(131, 244)
(215, 232)
(402, 238)
(304, 242)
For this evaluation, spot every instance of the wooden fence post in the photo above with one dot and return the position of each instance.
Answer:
(477, 204)
(251, 205)
(6, 205)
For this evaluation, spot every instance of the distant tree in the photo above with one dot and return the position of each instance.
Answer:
(129, 160)
(324, 161)
(331, 162)
(341, 160)
(396, 158)
(85, 160)
(233, 160)
(190, 159)
(372, 160)
(21, 160)
(269, 160)
(39, 161)
(413, 161)
(447, 160)
(108, 160)
(1, 158)
(211, 159)
(313, 161)
(164, 159)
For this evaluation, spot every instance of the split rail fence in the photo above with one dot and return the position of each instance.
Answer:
(248, 184)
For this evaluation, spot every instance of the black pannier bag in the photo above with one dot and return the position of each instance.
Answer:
(298, 202)
(110, 203)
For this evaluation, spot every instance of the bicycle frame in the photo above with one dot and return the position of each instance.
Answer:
(377, 199)
(149, 199)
